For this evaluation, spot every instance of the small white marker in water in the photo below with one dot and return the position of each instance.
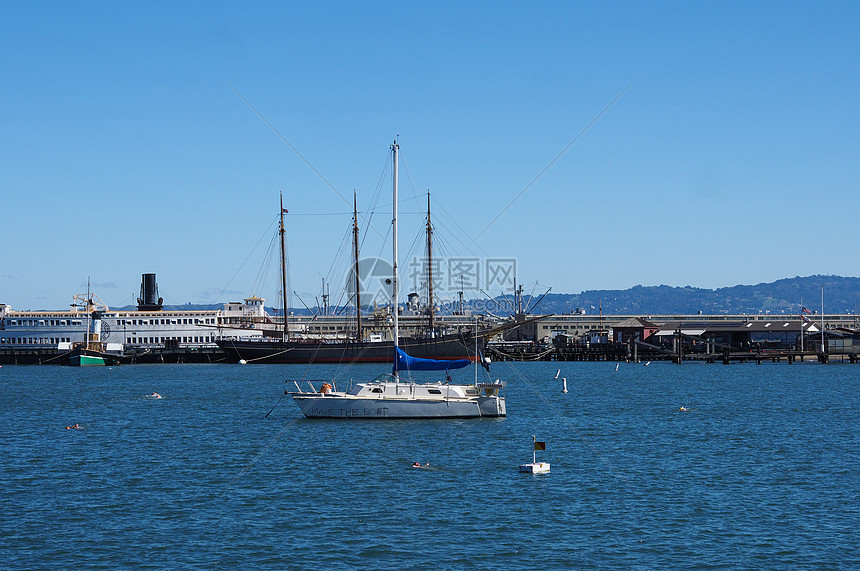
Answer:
(536, 467)
(557, 373)
(243, 362)
(564, 385)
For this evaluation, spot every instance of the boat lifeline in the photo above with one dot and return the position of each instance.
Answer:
(390, 396)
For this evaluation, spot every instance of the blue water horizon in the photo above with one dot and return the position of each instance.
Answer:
(689, 466)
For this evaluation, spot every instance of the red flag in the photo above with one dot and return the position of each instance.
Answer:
(804, 310)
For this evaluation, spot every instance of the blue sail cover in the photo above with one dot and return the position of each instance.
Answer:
(404, 361)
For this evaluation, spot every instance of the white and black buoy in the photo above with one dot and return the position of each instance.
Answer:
(564, 385)
(536, 467)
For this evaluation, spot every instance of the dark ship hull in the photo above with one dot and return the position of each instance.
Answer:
(303, 352)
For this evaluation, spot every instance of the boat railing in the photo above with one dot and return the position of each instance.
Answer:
(384, 378)
(491, 389)
(323, 383)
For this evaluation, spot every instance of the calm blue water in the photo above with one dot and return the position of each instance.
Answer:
(760, 472)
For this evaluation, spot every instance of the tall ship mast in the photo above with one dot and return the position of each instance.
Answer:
(431, 306)
(358, 333)
(285, 334)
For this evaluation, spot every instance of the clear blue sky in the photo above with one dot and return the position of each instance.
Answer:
(732, 158)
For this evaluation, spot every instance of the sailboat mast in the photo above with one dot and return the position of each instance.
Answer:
(476, 349)
(801, 325)
(358, 332)
(823, 350)
(430, 306)
(394, 148)
(285, 334)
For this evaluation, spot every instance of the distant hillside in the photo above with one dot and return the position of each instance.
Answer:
(841, 295)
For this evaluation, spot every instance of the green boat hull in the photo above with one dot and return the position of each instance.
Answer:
(87, 361)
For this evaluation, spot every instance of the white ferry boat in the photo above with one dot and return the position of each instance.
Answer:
(148, 328)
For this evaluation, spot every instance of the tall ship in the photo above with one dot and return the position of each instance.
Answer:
(430, 336)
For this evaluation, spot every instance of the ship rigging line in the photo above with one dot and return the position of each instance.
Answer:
(552, 162)
(263, 451)
(242, 265)
(295, 150)
(283, 430)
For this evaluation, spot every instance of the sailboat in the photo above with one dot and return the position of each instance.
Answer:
(391, 396)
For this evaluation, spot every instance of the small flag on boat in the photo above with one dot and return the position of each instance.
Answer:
(540, 445)
(485, 362)
(804, 310)
(285, 211)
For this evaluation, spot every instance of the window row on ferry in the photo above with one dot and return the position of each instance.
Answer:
(33, 340)
(44, 322)
(184, 321)
(152, 340)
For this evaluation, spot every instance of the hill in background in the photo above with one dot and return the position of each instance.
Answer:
(841, 295)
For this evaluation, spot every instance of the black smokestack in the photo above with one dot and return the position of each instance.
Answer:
(149, 300)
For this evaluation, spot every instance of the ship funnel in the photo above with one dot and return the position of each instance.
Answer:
(149, 300)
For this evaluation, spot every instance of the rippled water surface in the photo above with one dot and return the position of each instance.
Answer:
(760, 471)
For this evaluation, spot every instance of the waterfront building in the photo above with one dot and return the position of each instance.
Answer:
(578, 325)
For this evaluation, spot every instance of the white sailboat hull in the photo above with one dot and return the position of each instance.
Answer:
(314, 405)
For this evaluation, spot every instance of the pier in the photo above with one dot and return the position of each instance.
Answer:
(53, 356)
(642, 352)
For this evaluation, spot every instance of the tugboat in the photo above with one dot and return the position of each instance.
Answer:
(91, 352)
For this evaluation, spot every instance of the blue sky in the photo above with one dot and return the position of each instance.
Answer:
(731, 158)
